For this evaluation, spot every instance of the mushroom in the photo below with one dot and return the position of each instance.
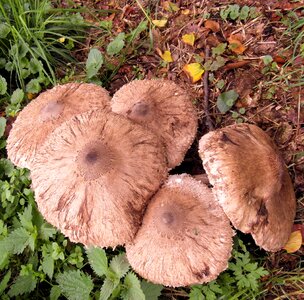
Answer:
(251, 182)
(42, 115)
(163, 107)
(93, 176)
(185, 237)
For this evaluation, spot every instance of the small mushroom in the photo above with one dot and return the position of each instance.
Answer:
(93, 176)
(251, 182)
(163, 107)
(185, 237)
(43, 114)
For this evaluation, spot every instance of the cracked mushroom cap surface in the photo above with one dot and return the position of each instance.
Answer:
(251, 182)
(45, 113)
(163, 107)
(185, 238)
(94, 175)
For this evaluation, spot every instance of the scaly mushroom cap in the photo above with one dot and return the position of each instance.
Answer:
(45, 113)
(185, 237)
(163, 107)
(251, 182)
(93, 176)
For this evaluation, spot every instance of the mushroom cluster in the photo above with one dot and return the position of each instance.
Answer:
(99, 169)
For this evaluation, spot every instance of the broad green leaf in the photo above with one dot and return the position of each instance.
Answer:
(48, 265)
(16, 241)
(4, 30)
(55, 292)
(35, 66)
(75, 285)
(2, 126)
(152, 291)
(4, 281)
(4, 259)
(226, 100)
(132, 289)
(47, 231)
(17, 96)
(117, 44)
(98, 260)
(119, 265)
(3, 85)
(26, 217)
(244, 13)
(22, 285)
(234, 11)
(94, 62)
(2, 62)
(107, 289)
(219, 49)
(33, 86)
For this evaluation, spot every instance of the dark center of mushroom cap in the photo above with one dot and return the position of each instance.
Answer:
(95, 159)
(52, 110)
(140, 112)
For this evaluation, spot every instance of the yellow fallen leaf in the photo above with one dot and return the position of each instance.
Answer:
(185, 12)
(194, 70)
(61, 40)
(235, 45)
(189, 39)
(160, 23)
(294, 242)
(30, 96)
(166, 56)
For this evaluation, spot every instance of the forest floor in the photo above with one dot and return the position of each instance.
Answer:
(258, 53)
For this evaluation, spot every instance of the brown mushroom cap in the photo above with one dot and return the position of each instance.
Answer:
(45, 113)
(163, 107)
(251, 182)
(185, 237)
(93, 176)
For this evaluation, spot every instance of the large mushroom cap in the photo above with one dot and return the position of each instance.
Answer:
(251, 182)
(185, 237)
(93, 176)
(42, 115)
(163, 107)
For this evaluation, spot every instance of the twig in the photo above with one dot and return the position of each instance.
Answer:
(209, 123)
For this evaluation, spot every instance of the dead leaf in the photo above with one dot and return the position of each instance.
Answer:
(189, 39)
(299, 227)
(166, 56)
(294, 243)
(236, 45)
(169, 6)
(160, 23)
(194, 71)
(185, 12)
(212, 25)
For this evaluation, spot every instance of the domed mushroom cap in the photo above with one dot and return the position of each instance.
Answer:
(45, 113)
(185, 237)
(251, 182)
(163, 107)
(93, 176)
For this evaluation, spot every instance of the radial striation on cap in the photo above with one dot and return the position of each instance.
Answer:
(94, 175)
(185, 237)
(251, 182)
(45, 113)
(163, 107)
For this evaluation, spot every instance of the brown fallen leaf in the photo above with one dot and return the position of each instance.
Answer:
(212, 25)
(236, 45)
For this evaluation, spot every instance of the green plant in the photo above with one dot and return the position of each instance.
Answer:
(35, 39)
(240, 281)
(235, 12)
